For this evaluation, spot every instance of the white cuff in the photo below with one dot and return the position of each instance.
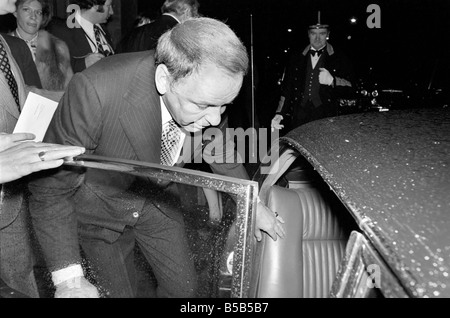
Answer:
(67, 273)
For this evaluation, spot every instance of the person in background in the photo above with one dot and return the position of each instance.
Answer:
(19, 157)
(88, 40)
(315, 77)
(197, 70)
(50, 54)
(146, 37)
(143, 19)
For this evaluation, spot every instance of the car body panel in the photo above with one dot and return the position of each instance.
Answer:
(392, 171)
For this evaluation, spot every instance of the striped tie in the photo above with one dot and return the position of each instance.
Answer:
(98, 39)
(5, 67)
(170, 139)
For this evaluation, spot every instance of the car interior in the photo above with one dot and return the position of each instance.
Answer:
(306, 263)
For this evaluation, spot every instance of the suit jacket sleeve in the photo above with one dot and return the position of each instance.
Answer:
(51, 204)
(22, 55)
(76, 41)
(220, 152)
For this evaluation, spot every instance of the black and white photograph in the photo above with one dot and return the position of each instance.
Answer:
(224, 154)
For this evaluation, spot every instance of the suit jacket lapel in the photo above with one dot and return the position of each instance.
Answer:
(142, 120)
(108, 37)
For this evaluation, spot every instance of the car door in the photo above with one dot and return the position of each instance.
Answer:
(221, 245)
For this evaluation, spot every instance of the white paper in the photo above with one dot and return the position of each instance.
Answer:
(36, 116)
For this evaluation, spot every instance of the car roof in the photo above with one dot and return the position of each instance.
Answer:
(392, 171)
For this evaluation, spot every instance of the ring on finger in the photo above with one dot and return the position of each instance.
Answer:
(41, 155)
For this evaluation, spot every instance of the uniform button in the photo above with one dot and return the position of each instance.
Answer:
(135, 215)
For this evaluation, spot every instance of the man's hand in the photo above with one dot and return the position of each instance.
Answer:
(77, 287)
(268, 222)
(325, 77)
(275, 124)
(20, 157)
(9, 140)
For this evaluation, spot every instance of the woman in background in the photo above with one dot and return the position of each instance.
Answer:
(50, 54)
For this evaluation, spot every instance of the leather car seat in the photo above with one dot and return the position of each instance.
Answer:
(305, 262)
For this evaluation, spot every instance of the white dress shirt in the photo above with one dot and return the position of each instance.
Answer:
(315, 58)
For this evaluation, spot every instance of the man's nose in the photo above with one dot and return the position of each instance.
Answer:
(214, 115)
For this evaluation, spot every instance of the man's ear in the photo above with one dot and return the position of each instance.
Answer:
(162, 78)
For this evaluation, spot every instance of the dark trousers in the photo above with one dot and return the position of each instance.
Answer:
(164, 244)
(16, 258)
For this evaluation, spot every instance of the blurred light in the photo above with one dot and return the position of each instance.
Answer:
(289, 30)
(349, 37)
(353, 20)
(285, 51)
(375, 93)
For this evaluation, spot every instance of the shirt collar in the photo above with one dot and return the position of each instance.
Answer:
(318, 49)
(85, 24)
(165, 115)
(32, 41)
(330, 49)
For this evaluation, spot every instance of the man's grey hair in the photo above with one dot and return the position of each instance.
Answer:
(195, 42)
(181, 7)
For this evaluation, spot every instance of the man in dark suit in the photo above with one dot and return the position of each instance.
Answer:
(316, 77)
(87, 39)
(146, 37)
(18, 158)
(118, 108)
